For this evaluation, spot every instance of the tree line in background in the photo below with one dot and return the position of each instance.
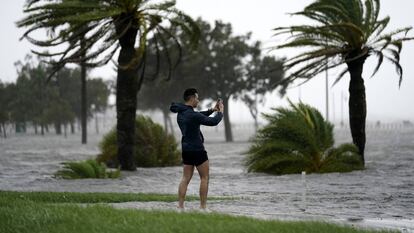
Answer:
(57, 103)
(223, 65)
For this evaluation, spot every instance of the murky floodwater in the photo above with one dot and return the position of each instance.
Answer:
(381, 195)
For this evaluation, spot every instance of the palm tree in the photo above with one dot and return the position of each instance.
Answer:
(299, 139)
(86, 169)
(346, 32)
(84, 94)
(109, 26)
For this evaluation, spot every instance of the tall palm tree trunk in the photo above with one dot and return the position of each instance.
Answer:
(83, 95)
(164, 114)
(4, 130)
(253, 112)
(72, 127)
(227, 125)
(357, 104)
(168, 125)
(126, 100)
(171, 124)
(58, 128)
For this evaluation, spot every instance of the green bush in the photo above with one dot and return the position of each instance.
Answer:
(153, 146)
(299, 139)
(86, 169)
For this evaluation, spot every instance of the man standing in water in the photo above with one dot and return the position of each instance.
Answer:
(193, 152)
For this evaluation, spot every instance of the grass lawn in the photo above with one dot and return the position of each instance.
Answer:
(22, 212)
(71, 197)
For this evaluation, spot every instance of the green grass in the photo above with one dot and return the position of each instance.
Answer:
(21, 215)
(71, 197)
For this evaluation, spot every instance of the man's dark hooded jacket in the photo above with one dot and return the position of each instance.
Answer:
(189, 122)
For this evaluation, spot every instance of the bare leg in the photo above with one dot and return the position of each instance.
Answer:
(188, 171)
(203, 171)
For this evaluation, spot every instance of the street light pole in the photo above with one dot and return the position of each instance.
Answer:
(342, 108)
(327, 91)
(326, 85)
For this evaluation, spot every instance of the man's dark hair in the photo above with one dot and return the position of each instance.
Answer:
(188, 93)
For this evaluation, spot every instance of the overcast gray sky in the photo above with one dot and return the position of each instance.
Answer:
(385, 100)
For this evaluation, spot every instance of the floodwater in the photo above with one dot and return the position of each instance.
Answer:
(380, 196)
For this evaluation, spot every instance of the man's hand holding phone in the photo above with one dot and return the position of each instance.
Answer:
(219, 105)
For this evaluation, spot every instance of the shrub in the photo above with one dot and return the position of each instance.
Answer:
(86, 169)
(299, 139)
(153, 146)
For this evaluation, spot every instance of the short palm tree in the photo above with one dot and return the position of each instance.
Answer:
(86, 169)
(299, 139)
(108, 26)
(346, 32)
(154, 146)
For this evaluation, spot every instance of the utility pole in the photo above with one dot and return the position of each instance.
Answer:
(333, 107)
(327, 92)
(342, 108)
(327, 85)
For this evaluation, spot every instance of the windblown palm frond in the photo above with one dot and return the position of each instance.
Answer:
(86, 169)
(343, 158)
(344, 30)
(299, 139)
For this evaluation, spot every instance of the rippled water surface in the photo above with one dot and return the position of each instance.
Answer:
(381, 195)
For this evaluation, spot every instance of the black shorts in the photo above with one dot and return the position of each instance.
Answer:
(195, 158)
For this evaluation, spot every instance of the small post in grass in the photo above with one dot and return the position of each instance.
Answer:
(304, 191)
